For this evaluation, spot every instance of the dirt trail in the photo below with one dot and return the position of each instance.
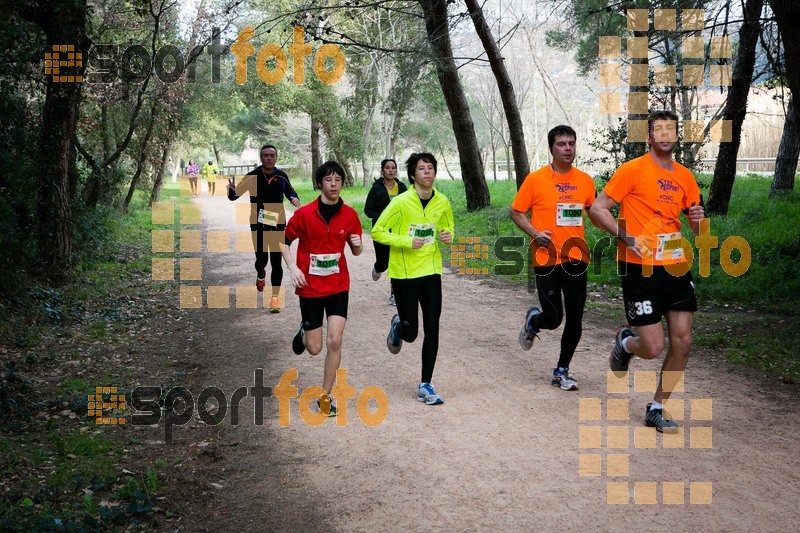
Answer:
(501, 453)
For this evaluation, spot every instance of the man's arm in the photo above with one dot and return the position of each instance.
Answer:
(600, 215)
(520, 219)
(242, 188)
(694, 215)
(289, 192)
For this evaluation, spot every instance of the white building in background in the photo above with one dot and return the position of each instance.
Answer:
(249, 156)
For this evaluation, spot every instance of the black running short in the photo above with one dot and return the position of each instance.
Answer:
(313, 310)
(647, 299)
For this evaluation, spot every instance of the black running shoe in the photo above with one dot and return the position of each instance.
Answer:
(620, 359)
(297, 342)
(654, 418)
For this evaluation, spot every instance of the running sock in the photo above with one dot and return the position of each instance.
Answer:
(656, 405)
(624, 344)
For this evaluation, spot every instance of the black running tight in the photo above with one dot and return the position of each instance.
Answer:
(569, 279)
(410, 294)
(266, 241)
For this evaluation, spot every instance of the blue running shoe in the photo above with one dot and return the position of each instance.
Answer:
(393, 340)
(425, 393)
(562, 378)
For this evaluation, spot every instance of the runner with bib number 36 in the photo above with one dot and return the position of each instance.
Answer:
(652, 191)
(320, 276)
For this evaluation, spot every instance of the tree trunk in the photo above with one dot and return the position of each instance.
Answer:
(327, 127)
(159, 182)
(367, 140)
(506, 88)
(60, 119)
(719, 194)
(140, 162)
(788, 152)
(436, 25)
(316, 158)
(634, 149)
(787, 13)
(216, 153)
(55, 212)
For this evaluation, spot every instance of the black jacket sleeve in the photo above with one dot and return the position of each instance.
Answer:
(370, 209)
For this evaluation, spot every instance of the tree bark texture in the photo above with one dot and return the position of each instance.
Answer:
(54, 203)
(719, 194)
(787, 13)
(159, 181)
(141, 160)
(634, 149)
(788, 152)
(506, 88)
(436, 26)
(316, 158)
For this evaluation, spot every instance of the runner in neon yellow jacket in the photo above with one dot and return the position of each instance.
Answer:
(410, 224)
(210, 171)
(401, 214)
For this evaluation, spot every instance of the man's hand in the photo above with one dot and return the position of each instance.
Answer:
(446, 237)
(355, 240)
(543, 238)
(642, 246)
(295, 201)
(695, 214)
(417, 243)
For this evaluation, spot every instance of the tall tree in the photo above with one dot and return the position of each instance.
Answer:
(735, 110)
(787, 13)
(506, 87)
(788, 152)
(60, 120)
(438, 30)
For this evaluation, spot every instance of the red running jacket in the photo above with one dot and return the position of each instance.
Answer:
(317, 237)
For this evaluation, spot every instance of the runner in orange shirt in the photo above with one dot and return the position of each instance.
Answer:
(556, 196)
(653, 190)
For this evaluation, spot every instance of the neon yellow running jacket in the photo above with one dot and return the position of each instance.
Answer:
(404, 217)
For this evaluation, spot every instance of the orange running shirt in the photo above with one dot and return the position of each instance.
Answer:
(651, 200)
(557, 203)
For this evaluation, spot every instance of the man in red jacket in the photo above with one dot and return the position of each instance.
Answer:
(320, 276)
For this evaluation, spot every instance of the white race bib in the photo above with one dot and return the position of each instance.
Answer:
(324, 264)
(569, 215)
(426, 231)
(669, 247)
(268, 218)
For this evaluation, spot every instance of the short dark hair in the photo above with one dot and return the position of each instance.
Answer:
(560, 130)
(661, 114)
(327, 168)
(383, 163)
(413, 159)
(268, 146)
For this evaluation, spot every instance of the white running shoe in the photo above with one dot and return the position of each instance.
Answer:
(425, 393)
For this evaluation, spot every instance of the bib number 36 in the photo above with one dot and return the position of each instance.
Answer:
(644, 308)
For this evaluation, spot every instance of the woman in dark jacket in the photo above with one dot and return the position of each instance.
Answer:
(383, 190)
